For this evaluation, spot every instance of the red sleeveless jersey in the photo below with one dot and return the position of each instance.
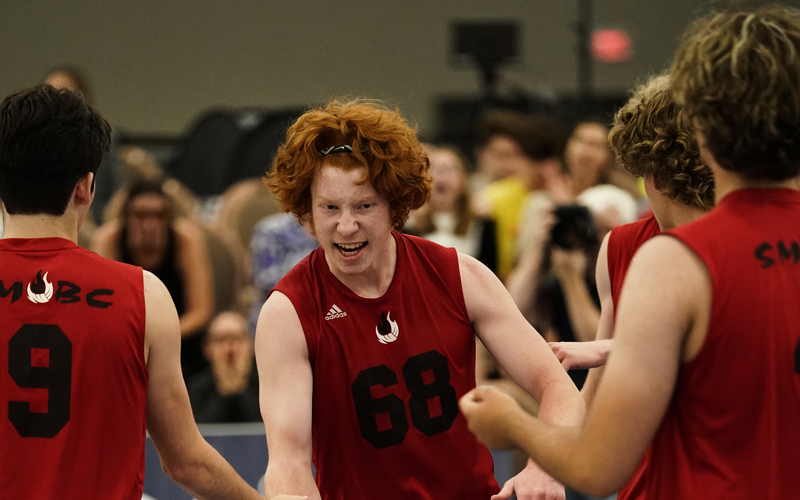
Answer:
(623, 242)
(388, 373)
(73, 380)
(732, 429)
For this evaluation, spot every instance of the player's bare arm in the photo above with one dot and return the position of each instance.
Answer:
(185, 456)
(605, 327)
(286, 388)
(517, 346)
(527, 359)
(672, 284)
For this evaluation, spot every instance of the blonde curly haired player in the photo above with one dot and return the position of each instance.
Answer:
(707, 332)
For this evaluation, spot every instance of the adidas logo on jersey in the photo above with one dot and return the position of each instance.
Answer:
(334, 313)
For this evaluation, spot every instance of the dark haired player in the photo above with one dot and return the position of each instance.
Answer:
(89, 348)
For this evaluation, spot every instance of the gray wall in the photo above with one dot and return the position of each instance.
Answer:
(155, 64)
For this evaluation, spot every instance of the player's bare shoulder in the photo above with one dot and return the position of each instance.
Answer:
(482, 288)
(161, 317)
(278, 322)
(472, 270)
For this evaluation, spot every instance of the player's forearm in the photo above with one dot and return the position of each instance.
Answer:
(561, 404)
(210, 477)
(560, 453)
(294, 478)
(522, 398)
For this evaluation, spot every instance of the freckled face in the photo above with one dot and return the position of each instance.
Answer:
(351, 222)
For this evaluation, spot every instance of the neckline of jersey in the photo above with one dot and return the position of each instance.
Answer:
(342, 288)
(774, 196)
(36, 244)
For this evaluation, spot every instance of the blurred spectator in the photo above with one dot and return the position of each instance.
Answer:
(448, 218)
(538, 149)
(610, 206)
(554, 286)
(589, 160)
(69, 77)
(588, 155)
(138, 166)
(500, 136)
(554, 283)
(227, 390)
(533, 148)
(242, 206)
(110, 174)
(278, 243)
(147, 234)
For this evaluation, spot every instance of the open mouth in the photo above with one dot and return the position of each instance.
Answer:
(348, 249)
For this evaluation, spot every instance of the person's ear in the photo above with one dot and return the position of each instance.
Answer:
(83, 193)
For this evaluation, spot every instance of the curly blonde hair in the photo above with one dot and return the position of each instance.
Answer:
(737, 73)
(652, 136)
(382, 142)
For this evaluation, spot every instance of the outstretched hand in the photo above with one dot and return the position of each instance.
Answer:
(489, 413)
(532, 484)
(582, 355)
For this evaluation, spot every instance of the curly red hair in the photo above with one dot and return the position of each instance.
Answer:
(382, 142)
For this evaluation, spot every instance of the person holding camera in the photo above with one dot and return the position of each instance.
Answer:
(553, 283)
(535, 145)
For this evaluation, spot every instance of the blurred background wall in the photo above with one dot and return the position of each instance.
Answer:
(155, 65)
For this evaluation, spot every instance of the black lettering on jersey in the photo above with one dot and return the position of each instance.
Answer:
(797, 358)
(766, 253)
(761, 254)
(793, 252)
(100, 292)
(15, 290)
(67, 292)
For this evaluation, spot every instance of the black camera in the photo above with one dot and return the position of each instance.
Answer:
(574, 228)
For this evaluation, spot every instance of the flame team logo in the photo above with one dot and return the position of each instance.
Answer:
(387, 330)
(40, 291)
